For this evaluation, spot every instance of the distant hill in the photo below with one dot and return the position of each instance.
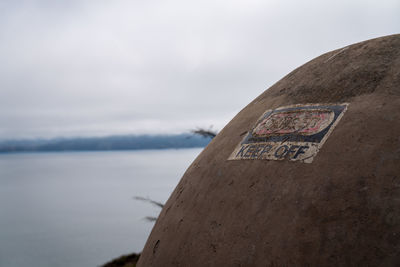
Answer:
(126, 142)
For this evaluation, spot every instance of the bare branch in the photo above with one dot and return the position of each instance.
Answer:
(148, 200)
(150, 219)
(205, 133)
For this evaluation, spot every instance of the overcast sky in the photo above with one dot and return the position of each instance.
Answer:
(90, 68)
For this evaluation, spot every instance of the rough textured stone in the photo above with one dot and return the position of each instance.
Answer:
(341, 210)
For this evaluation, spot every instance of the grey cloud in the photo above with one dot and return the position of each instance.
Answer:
(110, 67)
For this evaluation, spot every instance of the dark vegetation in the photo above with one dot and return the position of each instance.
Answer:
(124, 261)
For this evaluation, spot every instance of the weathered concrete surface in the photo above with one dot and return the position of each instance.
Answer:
(343, 209)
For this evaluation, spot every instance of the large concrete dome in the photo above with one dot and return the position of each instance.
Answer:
(308, 174)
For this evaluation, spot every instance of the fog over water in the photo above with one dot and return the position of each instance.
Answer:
(77, 208)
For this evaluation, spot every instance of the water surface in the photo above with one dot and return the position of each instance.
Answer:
(77, 209)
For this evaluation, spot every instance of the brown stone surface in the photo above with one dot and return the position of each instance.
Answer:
(341, 210)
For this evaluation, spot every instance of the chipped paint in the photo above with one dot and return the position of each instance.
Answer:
(294, 133)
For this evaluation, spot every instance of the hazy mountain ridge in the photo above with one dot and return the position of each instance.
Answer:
(126, 142)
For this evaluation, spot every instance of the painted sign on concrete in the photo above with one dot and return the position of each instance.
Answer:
(294, 132)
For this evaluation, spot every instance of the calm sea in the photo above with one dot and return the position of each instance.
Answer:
(78, 209)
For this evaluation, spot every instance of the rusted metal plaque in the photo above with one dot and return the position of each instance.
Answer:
(293, 132)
